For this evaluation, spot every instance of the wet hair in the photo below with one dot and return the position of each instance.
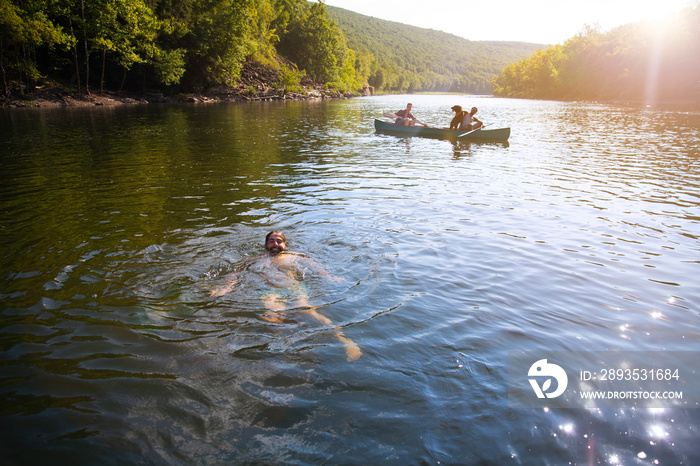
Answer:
(279, 233)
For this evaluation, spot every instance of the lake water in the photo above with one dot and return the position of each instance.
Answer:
(582, 233)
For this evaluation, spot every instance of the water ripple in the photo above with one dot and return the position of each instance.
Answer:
(116, 225)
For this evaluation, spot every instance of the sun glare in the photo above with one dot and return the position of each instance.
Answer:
(661, 29)
(652, 83)
(540, 21)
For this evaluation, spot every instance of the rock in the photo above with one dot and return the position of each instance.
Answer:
(256, 83)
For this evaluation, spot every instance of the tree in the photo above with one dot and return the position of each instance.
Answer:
(647, 61)
(127, 29)
(217, 39)
(378, 79)
(11, 35)
(316, 44)
(22, 31)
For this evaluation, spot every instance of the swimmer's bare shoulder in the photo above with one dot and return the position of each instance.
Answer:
(290, 257)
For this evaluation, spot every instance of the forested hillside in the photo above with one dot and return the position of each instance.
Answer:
(653, 61)
(195, 45)
(412, 59)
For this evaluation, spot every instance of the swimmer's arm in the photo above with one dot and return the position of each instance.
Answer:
(321, 270)
(229, 286)
(233, 281)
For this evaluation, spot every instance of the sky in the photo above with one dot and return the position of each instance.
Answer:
(539, 21)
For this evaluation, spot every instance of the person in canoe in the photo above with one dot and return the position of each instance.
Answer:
(282, 271)
(471, 122)
(406, 118)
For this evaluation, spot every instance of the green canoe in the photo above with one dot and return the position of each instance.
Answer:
(498, 134)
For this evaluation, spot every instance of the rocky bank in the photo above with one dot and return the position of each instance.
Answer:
(256, 83)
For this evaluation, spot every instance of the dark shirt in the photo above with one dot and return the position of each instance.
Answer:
(402, 114)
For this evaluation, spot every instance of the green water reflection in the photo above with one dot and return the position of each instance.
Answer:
(116, 224)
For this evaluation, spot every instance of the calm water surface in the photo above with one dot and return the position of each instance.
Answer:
(580, 234)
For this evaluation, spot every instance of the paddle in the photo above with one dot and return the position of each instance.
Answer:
(473, 131)
(391, 115)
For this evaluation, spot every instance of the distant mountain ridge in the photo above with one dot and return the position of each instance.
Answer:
(412, 59)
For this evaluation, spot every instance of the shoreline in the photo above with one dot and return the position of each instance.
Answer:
(54, 95)
(257, 83)
(63, 99)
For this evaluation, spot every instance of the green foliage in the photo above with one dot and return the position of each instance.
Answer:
(203, 42)
(648, 61)
(219, 33)
(127, 28)
(22, 32)
(315, 43)
(169, 65)
(400, 58)
(195, 44)
(290, 79)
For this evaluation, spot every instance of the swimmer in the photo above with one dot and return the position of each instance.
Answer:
(281, 270)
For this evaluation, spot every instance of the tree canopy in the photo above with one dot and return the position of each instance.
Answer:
(192, 45)
(649, 61)
(189, 44)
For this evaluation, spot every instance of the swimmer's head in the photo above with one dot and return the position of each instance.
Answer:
(275, 242)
